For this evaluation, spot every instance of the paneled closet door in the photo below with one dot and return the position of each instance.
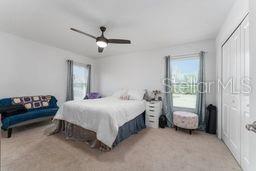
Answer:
(226, 92)
(245, 95)
(235, 108)
(231, 109)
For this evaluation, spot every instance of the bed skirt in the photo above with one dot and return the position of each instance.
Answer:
(74, 132)
(130, 128)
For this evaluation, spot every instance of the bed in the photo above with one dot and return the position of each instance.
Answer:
(111, 118)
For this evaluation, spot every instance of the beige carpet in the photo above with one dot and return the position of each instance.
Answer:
(152, 149)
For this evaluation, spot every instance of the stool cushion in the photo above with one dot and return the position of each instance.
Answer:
(185, 120)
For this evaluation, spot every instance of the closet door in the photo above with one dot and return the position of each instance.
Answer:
(231, 110)
(245, 96)
(236, 100)
(235, 108)
(226, 76)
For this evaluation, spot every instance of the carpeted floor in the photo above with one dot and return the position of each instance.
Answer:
(152, 149)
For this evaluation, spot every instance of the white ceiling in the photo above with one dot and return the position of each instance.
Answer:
(149, 24)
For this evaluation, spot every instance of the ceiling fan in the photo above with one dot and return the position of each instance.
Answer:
(101, 41)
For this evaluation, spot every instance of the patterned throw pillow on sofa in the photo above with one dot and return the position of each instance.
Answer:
(45, 100)
(32, 102)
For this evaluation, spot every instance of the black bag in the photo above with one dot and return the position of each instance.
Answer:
(11, 110)
(211, 119)
(162, 121)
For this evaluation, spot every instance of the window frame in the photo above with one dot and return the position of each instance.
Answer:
(177, 108)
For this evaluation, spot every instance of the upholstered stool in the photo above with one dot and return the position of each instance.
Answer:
(186, 120)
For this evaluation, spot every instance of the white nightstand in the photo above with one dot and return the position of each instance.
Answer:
(153, 112)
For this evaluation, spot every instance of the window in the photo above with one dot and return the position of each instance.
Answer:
(80, 77)
(184, 80)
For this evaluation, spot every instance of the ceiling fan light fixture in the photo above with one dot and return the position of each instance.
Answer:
(101, 41)
(102, 44)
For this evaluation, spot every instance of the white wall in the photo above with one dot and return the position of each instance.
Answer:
(145, 70)
(31, 68)
(234, 18)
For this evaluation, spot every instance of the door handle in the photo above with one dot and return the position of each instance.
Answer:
(251, 127)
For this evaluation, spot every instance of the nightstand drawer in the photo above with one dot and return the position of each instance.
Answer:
(151, 115)
(153, 123)
(155, 105)
(151, 118)
(151, 105)
(150, 125)
(154, 110)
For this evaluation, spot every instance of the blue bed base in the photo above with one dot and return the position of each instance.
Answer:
(129, 128)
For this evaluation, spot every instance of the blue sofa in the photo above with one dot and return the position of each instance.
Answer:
(31, 116)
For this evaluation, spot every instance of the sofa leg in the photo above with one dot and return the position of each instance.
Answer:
(190, 131)
(176, 128)
(9, 133)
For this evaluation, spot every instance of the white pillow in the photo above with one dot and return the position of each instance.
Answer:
(119, 93)
(136, 94)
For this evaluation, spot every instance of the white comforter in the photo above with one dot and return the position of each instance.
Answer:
(103, 116)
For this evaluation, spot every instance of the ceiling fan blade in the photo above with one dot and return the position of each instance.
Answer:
(100, 50)
(119, 41)
(78, 31)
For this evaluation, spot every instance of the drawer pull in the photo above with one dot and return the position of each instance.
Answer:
(151, 116)
(151, 110)
(151, 121)
(151, 106)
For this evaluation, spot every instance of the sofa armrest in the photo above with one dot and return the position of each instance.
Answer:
(53, 102)
(0, 120)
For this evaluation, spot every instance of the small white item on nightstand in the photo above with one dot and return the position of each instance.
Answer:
(153, 112)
